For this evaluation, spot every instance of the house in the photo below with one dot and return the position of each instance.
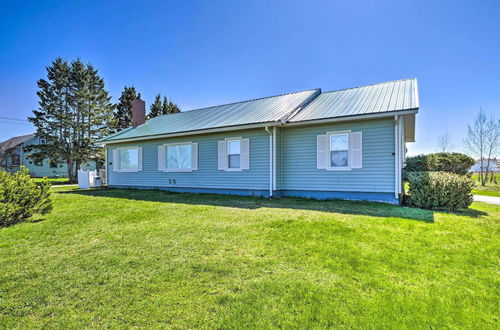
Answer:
(492, 164)
(13, 156)
(347, 144)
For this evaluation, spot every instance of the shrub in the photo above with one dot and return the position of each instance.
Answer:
(439, 190)
(20, 197)
(451, 162)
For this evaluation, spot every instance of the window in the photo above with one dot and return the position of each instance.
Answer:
(233, 154)
(179, 156)
(42, 141)
(127, 159)
(15, 160)
(38, 162)
(339, 150)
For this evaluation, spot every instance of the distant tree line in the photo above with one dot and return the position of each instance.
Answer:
(75, 110)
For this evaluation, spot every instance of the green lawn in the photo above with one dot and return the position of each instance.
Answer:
(120, 258)
(54, 181)
(491, 189)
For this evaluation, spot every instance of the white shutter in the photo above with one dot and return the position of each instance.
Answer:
(116, 160)
(245, 154)
(194, 156)
(139, 152)
(321, 152)
(161, 158)
(356, 150)
(222, 155)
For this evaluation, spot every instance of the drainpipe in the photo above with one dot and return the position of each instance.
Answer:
(396, 157)
(270, 161)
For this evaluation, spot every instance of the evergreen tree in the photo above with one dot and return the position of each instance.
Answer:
(74, 110)
(169, 107)
(123, 113)
(156, 108)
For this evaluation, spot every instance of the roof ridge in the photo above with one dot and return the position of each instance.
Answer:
(380, 83)
(231, 103)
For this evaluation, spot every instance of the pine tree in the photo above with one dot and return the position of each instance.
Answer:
(169, 107)
(156, 107)
(123, 113)
(74, 110)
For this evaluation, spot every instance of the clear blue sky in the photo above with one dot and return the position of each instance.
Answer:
(212, 52)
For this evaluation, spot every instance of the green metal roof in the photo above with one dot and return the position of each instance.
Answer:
(263, 110)
(379, 98)
(296, 107)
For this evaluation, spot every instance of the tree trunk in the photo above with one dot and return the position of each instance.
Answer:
(71, 172)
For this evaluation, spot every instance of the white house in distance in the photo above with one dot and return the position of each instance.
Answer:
(347, 144)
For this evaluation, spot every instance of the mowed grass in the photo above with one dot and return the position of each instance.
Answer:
(123, 258)
(490, 189)
(54, 181)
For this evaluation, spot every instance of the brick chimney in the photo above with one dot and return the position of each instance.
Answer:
(138, 112)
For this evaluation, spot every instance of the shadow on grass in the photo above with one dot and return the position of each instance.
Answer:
(371, 209)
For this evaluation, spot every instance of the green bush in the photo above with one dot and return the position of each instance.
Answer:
(451, 162)
(439, 190)
(21, 197)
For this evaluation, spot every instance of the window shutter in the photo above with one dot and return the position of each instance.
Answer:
(245, 154)
(321, 152)
(139, 152)
(356, 150)
(116, 160)
(194, 156)
(222, 155)
(161, 158)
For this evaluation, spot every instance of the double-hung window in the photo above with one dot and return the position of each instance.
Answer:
(127, 159)
(178, 157)
(234, 154)
(339, 151)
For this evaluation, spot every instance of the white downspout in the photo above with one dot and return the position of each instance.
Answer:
(396, 157)
(274, 157)
(270, 161)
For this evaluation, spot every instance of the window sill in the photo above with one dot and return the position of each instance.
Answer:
(178, 170)
(233, 169)
(338, 169)
(127, 171)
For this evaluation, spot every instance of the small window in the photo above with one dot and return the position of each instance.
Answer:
(42, 141)
(234, 154)
(339, 150)
(15, 160)
(179, 156)
(129, 159)
(38, 162)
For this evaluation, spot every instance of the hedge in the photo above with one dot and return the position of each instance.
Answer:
(452, 162)
(439, 190)
(21, 197)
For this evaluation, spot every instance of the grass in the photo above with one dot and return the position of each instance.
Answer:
(54, 181)
(491, 189)
(122, 258)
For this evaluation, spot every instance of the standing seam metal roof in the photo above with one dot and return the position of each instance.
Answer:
(390, 96)
(302, 106)
(267, 109)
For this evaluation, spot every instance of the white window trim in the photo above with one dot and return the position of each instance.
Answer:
(172, 170)
(226, 155)
(138, 160)
(329, 166)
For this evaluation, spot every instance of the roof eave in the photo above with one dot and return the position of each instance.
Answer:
(193, 132)
(354, 117)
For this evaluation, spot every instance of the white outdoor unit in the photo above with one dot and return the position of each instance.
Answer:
(88, 179)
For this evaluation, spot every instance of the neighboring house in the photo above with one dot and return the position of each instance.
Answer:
(347, 144)
(13, 156)
(492, 164)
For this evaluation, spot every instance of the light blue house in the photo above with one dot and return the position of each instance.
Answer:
(13, 156)
(347, 144)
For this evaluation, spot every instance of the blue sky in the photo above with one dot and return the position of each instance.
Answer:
(206, 53)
